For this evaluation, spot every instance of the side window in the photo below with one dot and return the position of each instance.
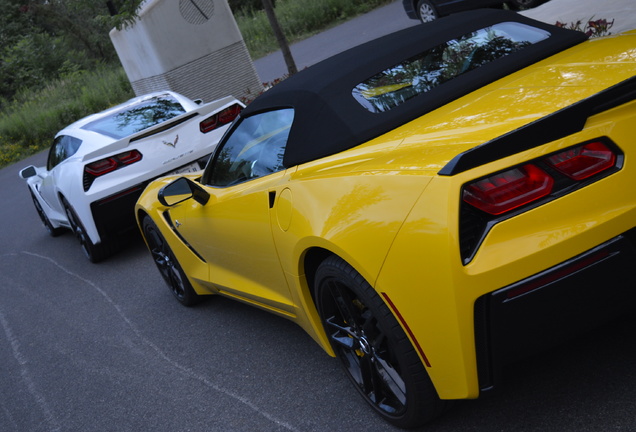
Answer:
(254, 148)
(64, 147)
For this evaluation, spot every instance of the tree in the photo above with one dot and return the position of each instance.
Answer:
(42, 40)
(280, 37)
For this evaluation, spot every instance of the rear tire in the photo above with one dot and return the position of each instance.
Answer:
(94, 252)
(168, 265)
(53, 232)
(376, 354)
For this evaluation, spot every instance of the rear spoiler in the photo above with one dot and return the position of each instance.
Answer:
(202, 111)
(560, 124)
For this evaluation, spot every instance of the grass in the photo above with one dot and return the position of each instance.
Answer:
(29, 122)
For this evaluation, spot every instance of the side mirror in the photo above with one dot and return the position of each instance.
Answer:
(27, 172)
(180, 190)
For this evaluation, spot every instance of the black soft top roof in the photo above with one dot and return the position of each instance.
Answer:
(329, 120)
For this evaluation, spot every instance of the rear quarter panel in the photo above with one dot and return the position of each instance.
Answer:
(435, 293)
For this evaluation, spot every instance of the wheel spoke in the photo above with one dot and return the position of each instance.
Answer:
(176, 282)
(165, 264)
(355, 332)
(344, 303)
(387, 383)
(390, 378)
(370, 383)
(348, 340)
(159, 257)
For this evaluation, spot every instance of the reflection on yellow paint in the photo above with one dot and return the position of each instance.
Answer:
(379, 91)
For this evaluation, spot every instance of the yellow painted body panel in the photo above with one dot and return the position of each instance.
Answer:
(382, 208)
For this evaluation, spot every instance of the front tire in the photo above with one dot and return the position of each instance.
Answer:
(168, 265)
(426, 11)
(376, 354)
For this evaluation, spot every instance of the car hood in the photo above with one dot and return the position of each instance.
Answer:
(433, 140)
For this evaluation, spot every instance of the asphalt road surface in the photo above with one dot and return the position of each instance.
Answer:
(105, 347)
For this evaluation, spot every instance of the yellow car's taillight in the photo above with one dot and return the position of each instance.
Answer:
(507, 193)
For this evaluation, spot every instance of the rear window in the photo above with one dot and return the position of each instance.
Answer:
(133, 119)
(442, 63)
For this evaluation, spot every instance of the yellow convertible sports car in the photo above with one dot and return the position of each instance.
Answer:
(428, 206)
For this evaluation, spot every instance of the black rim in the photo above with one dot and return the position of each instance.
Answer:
(363, 348)
(167, 265)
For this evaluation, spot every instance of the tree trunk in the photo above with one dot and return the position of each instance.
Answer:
(280, 37)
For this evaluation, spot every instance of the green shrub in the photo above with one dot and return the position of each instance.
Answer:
(592, 28)
(30, 122)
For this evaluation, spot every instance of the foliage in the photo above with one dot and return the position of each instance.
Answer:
(35, 116)
(123, 13)
(247, 99)
(41, 39)
(593, 28)
(242, 7)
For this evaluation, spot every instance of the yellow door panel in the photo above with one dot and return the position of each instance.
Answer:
(232, 232)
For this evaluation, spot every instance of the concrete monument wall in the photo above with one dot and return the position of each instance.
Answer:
(192, 47)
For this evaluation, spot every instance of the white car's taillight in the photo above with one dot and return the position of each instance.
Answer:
(221, 118)
(109, 164)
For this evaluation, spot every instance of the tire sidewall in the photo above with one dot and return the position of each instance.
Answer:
(53, 232)
(419, 390)
(190, 297)
(94, 252)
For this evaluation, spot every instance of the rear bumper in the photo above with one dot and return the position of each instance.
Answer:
(547, 308)
(114, 215)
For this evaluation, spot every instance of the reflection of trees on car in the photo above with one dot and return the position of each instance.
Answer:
(434, 67)
(146, 116)
(131, 120)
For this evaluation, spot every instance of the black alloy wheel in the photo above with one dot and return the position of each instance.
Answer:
(53, 232)
(94, 252)
(374, 350)
(168, 265)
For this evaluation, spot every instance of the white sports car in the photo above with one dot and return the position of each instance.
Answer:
(98, 166)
